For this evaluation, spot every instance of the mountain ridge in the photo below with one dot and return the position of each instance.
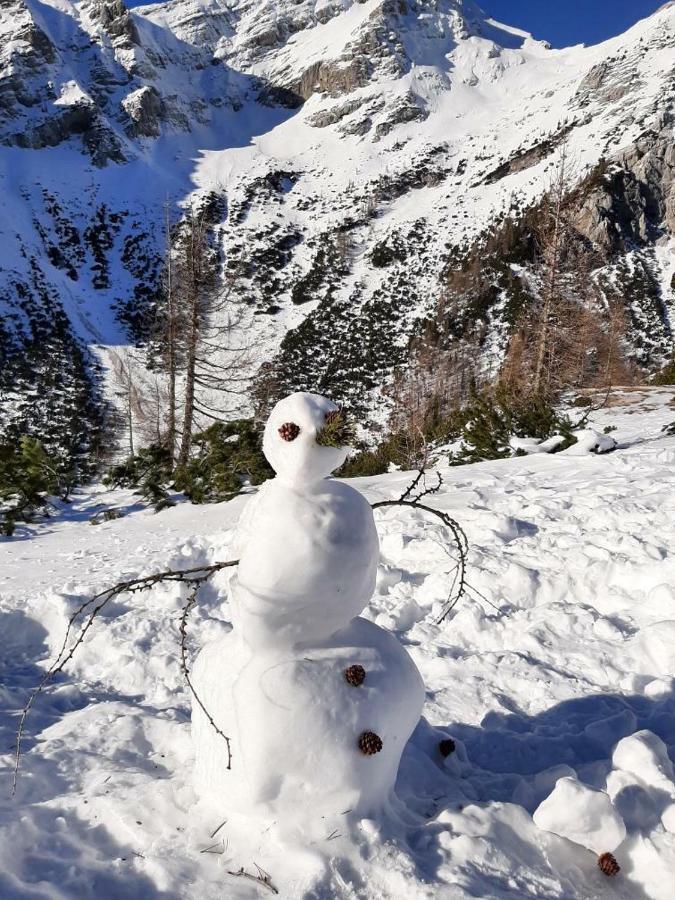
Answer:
(359, 146)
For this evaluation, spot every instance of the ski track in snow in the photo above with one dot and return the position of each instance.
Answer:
(576, 553)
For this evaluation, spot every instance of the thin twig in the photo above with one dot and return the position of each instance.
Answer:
(411, 487)
(458, 534)
(262, 878)
(413, 500)
(210, 849)
(191, 600)
(214, 833)
(94, 605)
(483, 597)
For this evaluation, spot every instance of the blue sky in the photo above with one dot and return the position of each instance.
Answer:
(561, 22)
(566, 22)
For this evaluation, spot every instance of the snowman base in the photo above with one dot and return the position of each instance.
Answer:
(299, 723)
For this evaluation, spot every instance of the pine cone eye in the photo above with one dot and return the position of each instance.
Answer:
(289, 431)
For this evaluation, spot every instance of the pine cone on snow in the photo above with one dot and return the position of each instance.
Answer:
(370, 743)
(289, 431)
(355, 675)
(446, 746)
(608, 864)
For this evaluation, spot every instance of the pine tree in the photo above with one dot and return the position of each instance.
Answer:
(28, 476)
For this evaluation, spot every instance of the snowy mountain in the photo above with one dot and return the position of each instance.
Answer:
(361, 147)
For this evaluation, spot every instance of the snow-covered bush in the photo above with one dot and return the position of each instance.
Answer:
(666, 375)
(487, 425)
(225, 457)
(496, 423)
(149, 471)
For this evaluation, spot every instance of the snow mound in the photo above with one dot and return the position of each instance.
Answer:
(582, 815)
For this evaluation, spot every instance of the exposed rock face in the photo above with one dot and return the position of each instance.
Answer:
(634, 203)
(25, 51)
(144, 107)
(116, 19)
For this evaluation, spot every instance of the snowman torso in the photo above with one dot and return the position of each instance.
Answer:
(309, 564)
(298, 720)
(306, 741)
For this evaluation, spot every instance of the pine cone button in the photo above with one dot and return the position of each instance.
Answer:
(370, 743)
(608, 864)
(446, 746)
(289, 431)
(355, 675)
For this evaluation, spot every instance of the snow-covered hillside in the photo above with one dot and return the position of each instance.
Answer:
(561, 657)
(358, 145)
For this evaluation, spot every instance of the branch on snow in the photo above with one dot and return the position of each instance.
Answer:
(91, 608)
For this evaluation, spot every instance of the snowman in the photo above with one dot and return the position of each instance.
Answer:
(318, 702)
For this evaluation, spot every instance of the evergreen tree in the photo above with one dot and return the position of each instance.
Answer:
(28, 476)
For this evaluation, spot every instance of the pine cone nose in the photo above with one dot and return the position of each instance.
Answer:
(370, 743)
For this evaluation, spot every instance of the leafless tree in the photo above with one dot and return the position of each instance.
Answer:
(128, 391)
(199, 329)
(170, 329)
(552, 237)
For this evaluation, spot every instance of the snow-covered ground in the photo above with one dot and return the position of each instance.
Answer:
(564, 646)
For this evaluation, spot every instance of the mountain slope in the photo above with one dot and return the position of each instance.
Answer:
(359, 145)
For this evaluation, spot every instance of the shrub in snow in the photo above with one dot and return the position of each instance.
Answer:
(149, 471)
(226, 456)
(318, 703)
(666, 375)
(585, 816)
(28, 476)
(496, 423)
(491, 425)
(106, 515)
(590, 441)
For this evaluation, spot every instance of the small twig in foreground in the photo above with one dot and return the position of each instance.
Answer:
(482, 597)
(261, 878)
(93, 606)
(191, 600)
(214, 833)
(461, 542)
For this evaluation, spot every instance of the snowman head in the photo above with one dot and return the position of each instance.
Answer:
(303, 438)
